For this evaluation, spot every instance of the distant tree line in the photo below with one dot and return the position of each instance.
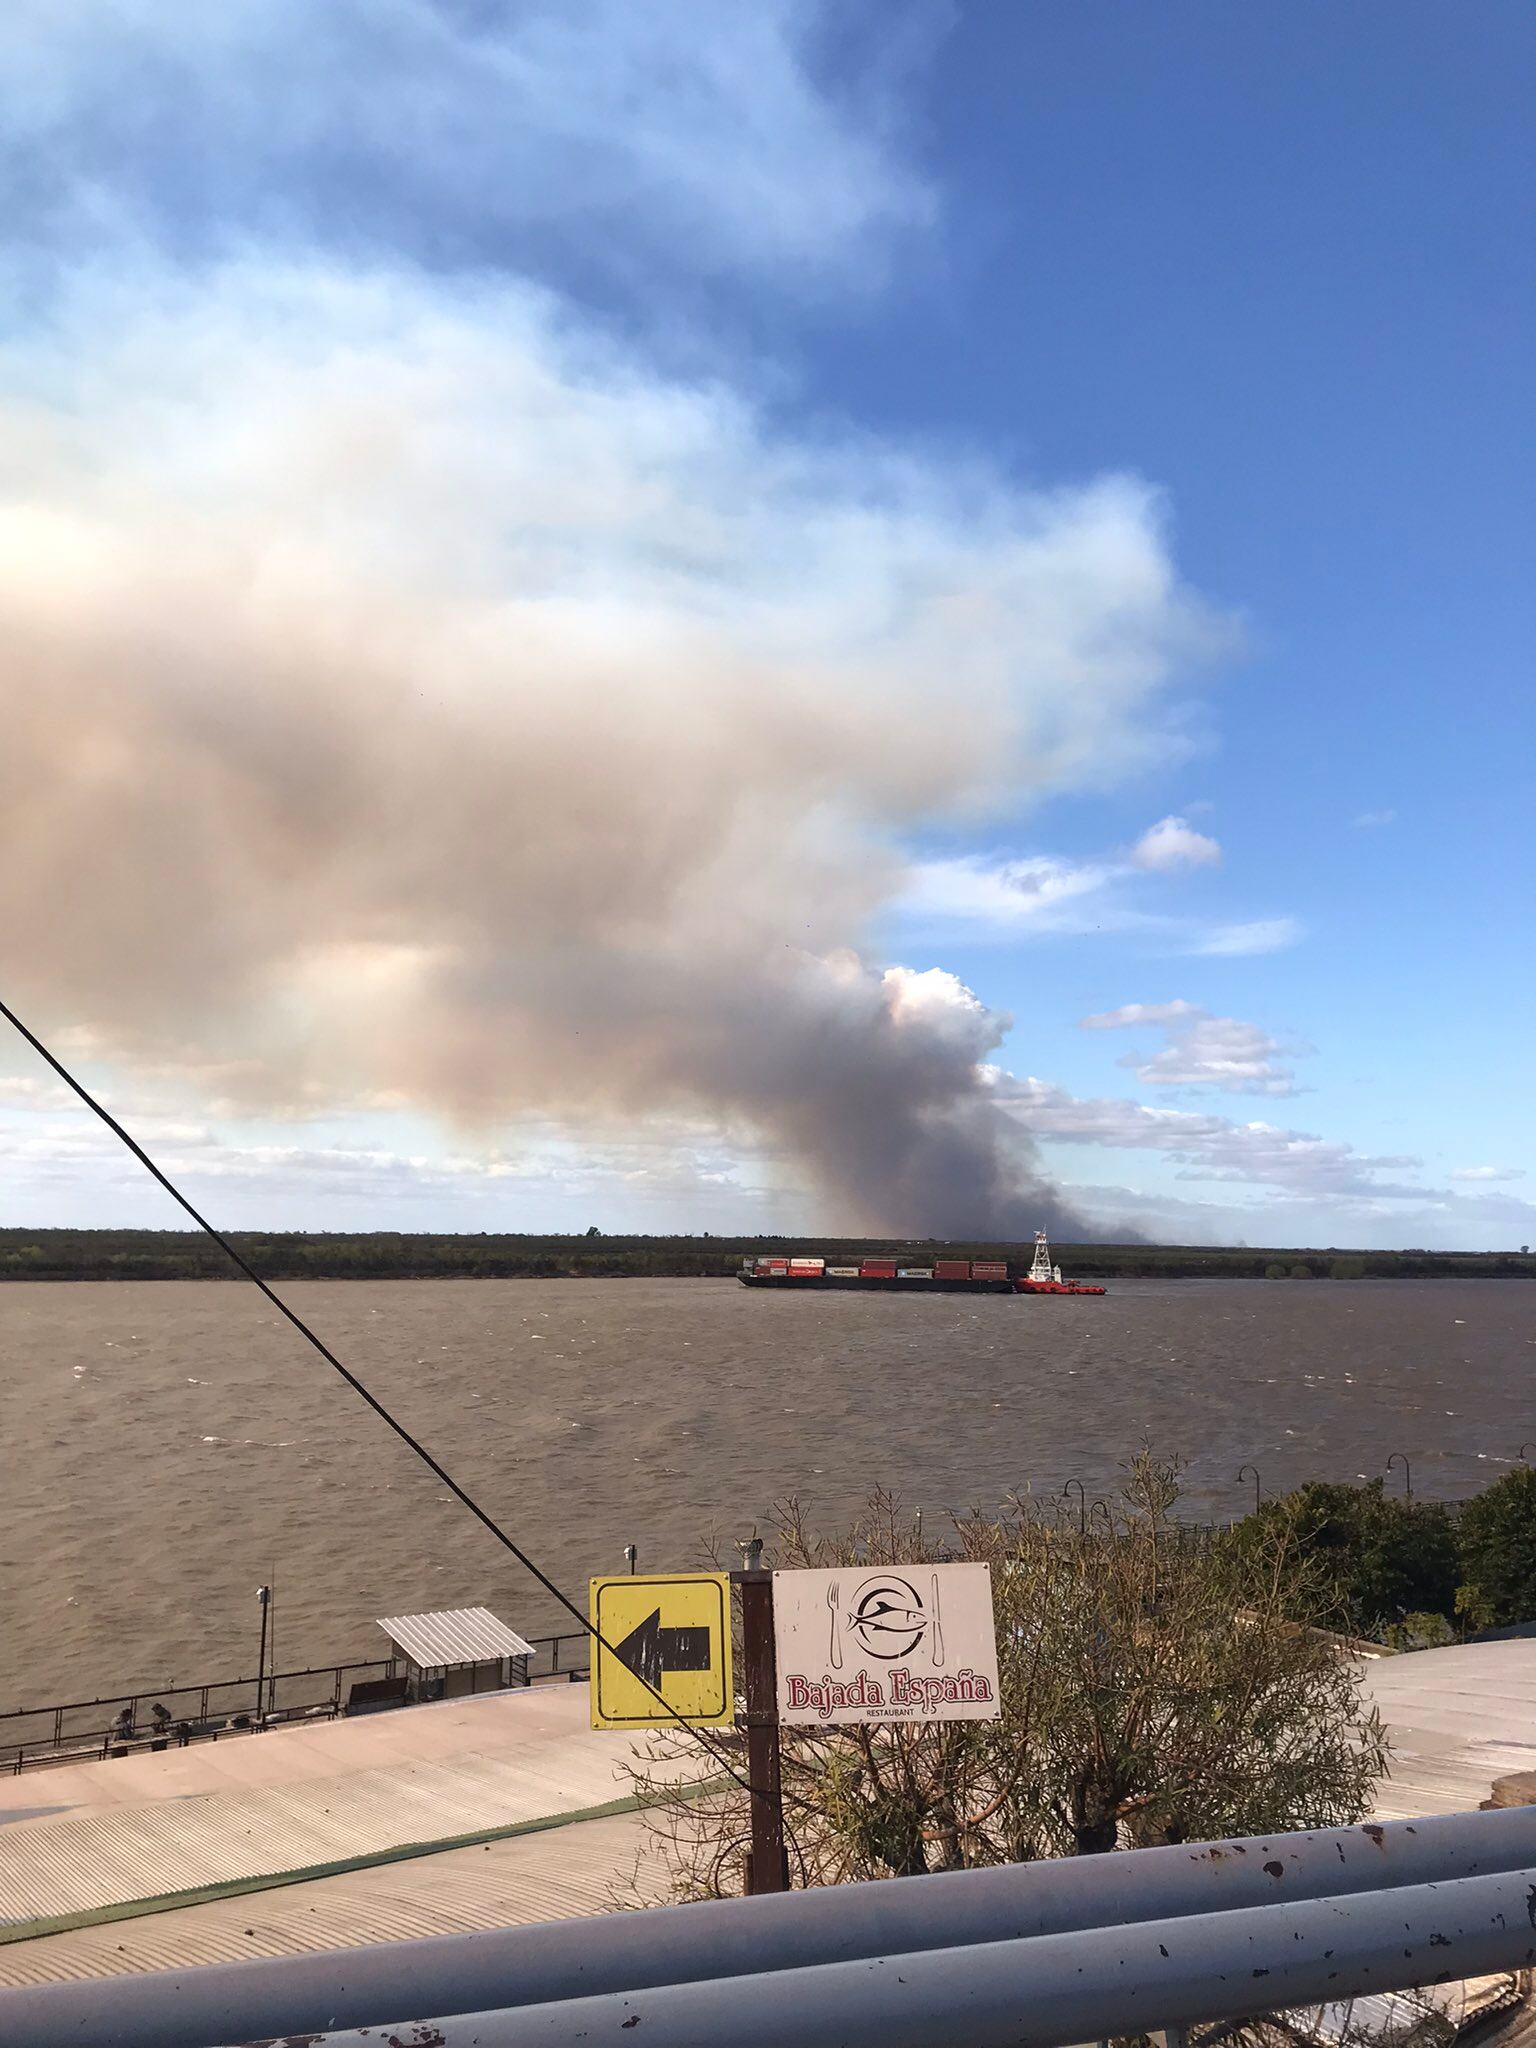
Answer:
(421, 1255)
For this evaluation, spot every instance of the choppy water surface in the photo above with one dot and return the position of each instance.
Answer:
(169, 1446)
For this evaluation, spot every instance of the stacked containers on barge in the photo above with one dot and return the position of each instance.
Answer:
(970, 1276)
(986, 1276)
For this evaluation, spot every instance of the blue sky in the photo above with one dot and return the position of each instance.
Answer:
(692, 618)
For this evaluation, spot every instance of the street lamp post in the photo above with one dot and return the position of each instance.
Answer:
(1258, 1492)
(1398, 1458)
(264, 1595)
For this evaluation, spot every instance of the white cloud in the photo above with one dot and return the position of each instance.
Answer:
(1034, 890)
(1370, 821)
(1174, 843)
(1203, 1051)
(34, 1092)
(1488, 1173)
(673, 135)
(1212, 1148)
(1263, 935)
(1005, 896)
(68, 1168)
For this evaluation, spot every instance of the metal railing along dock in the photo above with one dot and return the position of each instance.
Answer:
(82, 1731)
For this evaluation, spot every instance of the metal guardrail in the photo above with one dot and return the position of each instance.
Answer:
(1161, 1976)
(75, 1731)
(1041, 1954)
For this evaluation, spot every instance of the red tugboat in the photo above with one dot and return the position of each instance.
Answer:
(1044, 1278)
(893, 1274)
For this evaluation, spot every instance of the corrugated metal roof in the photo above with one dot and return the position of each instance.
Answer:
(74, 1863)
(456, 1635)
(588, 1867)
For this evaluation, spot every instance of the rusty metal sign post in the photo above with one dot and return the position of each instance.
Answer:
(768, 1858)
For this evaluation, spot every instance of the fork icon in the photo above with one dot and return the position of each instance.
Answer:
(837, 1649)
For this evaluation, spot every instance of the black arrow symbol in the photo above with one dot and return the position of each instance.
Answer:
(650, 1649)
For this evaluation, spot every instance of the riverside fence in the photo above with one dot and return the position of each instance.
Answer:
(81, 1731)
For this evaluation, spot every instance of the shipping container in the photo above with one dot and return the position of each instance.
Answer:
(988, 1276)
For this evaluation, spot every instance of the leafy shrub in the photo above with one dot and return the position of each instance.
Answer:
(1378, 1558)
(1496, 1536)
(1420, 1632)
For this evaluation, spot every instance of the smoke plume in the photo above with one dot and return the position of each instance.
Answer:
(425, 701)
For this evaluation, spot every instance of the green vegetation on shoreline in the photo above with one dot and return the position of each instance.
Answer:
(1413, 1574)
(399, 1255)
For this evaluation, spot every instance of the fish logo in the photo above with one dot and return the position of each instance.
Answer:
(887, 1617)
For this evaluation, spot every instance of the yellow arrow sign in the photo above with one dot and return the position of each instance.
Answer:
(670, 1631)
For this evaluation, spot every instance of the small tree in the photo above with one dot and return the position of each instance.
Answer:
(1422, 1631)
(1496, 1536)
(1154, 1689)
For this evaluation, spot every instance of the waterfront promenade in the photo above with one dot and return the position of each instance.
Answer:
(326, 1836)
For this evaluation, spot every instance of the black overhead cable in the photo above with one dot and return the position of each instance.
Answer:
(413, 1443)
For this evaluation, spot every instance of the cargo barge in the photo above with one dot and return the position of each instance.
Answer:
(893, 1274)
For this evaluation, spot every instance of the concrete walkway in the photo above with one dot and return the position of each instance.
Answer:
(1459, 1718)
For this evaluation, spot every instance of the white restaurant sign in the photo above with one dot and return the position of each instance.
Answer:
(908, 1642)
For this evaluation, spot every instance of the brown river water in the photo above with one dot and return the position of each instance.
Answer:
(167, 1447)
